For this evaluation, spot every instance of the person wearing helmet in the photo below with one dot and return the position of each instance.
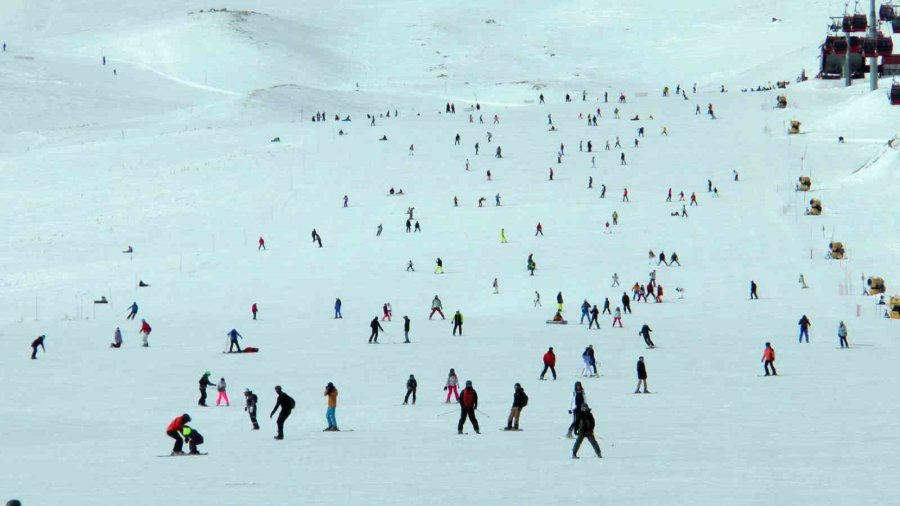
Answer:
(192, 438)
(204, 382)
(584, 425)
(174, 431)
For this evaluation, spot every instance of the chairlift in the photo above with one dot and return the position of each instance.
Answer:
(895, 93)
(884, 45)
(886, 12)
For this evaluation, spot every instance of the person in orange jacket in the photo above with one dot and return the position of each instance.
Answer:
(769, 359)
(549, 363)
(332, 393)
(174, 431)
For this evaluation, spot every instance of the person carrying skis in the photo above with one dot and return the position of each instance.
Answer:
(437, 307)
(520, 400)
(617, 318)
(39, 342)
(457, 323)
(411, 386)
(452, 386)
(549, 363)
(192, 438)
(223, 393)
(804, 328)
(133, 309)
(332, 393)
(645, 333)
(145, 332)
(642, 376)
(337, 308)
(233, 336)
(174, 431)
(287, 404)
(584, 427)
(579, 397)
(375, 326)
(204, 383)
(768, 359)
(842, 334)
(254, 309)
(595, 314)
(251, 399)
(117, 339)
(468, 403)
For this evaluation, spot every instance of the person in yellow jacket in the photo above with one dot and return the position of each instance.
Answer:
(457, 323)
(332, 393)
(503, 235)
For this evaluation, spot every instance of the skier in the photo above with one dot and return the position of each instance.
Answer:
(551, 173)
(409, 267)
(436, 307)
(615, 279)
(337, 308)
(497, 154)
(802, 282)
(223, 394)
(234, 336)
(615, 214)
(254, 309)
(645, 333)
(769, 359)
(204, 383)
(417, 228)
(145, 332)
(579, 397)
(117, 339)
(375, 326)
(537, 299)
(842, 334)
(559, 302)
(539, 230)
(625, 193)
(250, 408)
(584, 425)
(549, 363)
(347, 199)
(496, 286)
(174, 431)
(503, 236)
(411, 386)
(468, 403)
(457, 323)
(133, 309)
(804, 328)
(379, 230)
(753, 290)
(626, 303)
(456, 140)
(694, 199)
(439, 266)
(497, 200)
(287, 404)
(452, 386)
(34, 346)
(642, 376)
(406, 328)
(622, 158)
(262, 243)
(585, 312)
(541, 97)
(674, 259)
(520, 400)
(408, 226)
(386, 311)
(332, 393)
(617, 318)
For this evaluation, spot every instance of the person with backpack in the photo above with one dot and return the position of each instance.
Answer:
(223, 393)
(452, 386)
(642, 376)
(332, 393)
(468, 403)
(375, 326)
(411, 386)
(287, 404)
(250, 407)
(549, 363)
(579, 397)
(769, 359)
(173, 430)
(584, 428)
(457, 323)
(520, 400)
(204, 383)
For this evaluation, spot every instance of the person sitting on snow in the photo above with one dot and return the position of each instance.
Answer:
(558, 317)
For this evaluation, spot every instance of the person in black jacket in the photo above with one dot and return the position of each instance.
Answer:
(584, 427)
(34, 346)
(626, 303)
(411, 386)
(595, 314)
(520, 400)
(286, 403)
(578, 399)
(642, 376)
(645, 333)
(753, 290)
(375, 328)
(406, 328)
(204, 382)
(192, 438)
(250, 408)
(606, 306)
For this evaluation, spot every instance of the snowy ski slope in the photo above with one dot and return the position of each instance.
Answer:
(172, 156)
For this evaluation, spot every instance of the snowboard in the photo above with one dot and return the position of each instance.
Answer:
(185, 455)
(551, 322)
(245, 350)
(511, 430)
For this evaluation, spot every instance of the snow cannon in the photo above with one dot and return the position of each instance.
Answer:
(804, 184)
(895, 308)
(781, 102)
(876, 285)
(795, 127)
(837, 250)
(815, 207)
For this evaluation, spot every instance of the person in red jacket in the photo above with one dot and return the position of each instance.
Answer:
(174, 431)
(549, 363)
(145, 332)
(254, 310)
(468, 403)
(262, 244)
(769, 359)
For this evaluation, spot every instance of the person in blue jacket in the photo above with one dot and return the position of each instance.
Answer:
(585, 311)
(234, 335)
(133, 308)
(337, 308)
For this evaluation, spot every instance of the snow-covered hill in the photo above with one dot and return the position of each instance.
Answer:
(172, 155)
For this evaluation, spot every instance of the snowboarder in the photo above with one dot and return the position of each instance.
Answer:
(753, 290)
(579, 397)
(842, 335)
(174, 431)
(133, 309)
(287, 404)
(145, 332)
(645, 333)
(642, 376)
(117, 339)
(520, 400)
(549, 363)
(411, 386)
(332, 393)
(262, 243)
(457, 323)
(223, 393)
(406, 328)
(251, 400)
(769, 359)
(233, 336)
(204, 383)
(804, 328)
(584, 427)
(452, 386)
(254, 309)
(468, 403)
(39, 342)
(337, 308)
(375, 326)
(436, 307)
(439, 266)
(559, 302)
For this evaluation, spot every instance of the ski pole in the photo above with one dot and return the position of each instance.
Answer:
(447, 413)
(483, 413)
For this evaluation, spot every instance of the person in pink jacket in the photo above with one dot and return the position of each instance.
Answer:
(769, 359)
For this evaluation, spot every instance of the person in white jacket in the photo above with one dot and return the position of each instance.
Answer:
(579, 397)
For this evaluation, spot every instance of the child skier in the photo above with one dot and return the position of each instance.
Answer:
(223, 394)
(251, 400)
(452, 386)
(193, 439)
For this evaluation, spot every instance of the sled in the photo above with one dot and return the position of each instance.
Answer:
(248, 349)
